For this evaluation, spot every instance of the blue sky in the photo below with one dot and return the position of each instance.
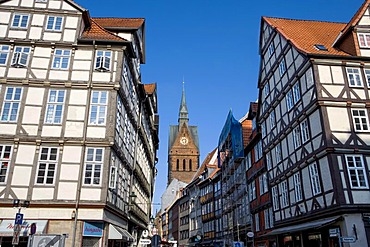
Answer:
(213, 45)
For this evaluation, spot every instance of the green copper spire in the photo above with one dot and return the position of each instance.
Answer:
(183, 112)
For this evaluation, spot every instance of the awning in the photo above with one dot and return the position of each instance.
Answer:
(7, 227)
(303, 226)
(116, 232)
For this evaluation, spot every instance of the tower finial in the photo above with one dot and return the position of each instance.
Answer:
(183, 113)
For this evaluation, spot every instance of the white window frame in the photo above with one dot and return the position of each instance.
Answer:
(275, 198)
(271, 49)
(113, 176)
(103, 60)
(61, 59)
(315, 179)
(271, 216)
(11, 104)
(22, 22)
(297, 187)
(4, 54)
(367, 74)
(365, 38)
(268, 161)
(356, 170)
(296, 93)
(305, 131)
(98, 108)
(284, 199)
(289, 100)
(360, 120)
(278, 153)
(20, 56)
(5, 158)
(272, 119)
(55, 107)
(248, 161)
(48, 158)
(282, 67)
(263, 183)
(266, 218)
(354, 77)
(257, 222)
(296, 137)
(94, 161)
(54, 23)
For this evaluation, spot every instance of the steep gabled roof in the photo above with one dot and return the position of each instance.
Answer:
(305, 34)
(121, 23)
(97, 32)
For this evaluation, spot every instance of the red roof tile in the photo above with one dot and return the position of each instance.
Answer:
(96, 32)
(305, 34)
(120, 22)
(150, 88)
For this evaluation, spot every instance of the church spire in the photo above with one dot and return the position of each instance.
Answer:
(183, 112)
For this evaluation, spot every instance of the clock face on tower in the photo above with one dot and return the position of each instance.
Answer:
(184, 140)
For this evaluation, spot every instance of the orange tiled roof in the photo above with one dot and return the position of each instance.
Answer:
(150, 88)
(95, 31)
(305, 34)
(205, 164)
(120, 22)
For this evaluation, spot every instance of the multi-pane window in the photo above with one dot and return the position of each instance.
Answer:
(93, 166)
(289, 100)
(315, 179)
(20, 20)
(11, 104)
(360, 119)
(20, 56)
(98, 107)
(54, 23)
(268, 161)
(275, 197)
(305, 132)
(297, 137)
(278, 153)
(367, 74)
(354, 77)
(284, 199)
(248, 161)
(296, 93)
(257, 222)
(4, 52)
(113, 174)
(297, 187)
(47, 165)
(268, 217)
(263, 129)
(252, 191)
(263, 184)
(271, 49)
(364, 39)
(54, 108)
(356, 171)
(272, 119)
(103, 60)
(266, 89)
(61, 59)
(5, 156)
(258, 151)
(282, 67)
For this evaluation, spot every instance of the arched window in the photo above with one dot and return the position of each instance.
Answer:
(183, 164)
(190, 165)
(177, 165)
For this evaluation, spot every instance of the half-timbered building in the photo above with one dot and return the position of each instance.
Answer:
(314, 117)
(78, 129)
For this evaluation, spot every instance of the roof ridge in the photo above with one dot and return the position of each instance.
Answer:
(105, 30)
(117, 18)
(292, 19)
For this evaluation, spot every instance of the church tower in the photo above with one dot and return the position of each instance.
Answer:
(183, 147)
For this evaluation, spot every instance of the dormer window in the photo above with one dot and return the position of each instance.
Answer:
(102, 61)
(54, 23)
(20, 21)
(364, 39)
(20, 56)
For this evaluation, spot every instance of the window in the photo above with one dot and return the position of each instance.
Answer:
(11, 104)
(54, 23)
(102, 61)
(278, 153)
(296, 137)
(177, 165)
(263, 129)
(364, 39)
(268, 161)
(248, 161)
(297, 187)
(47, 164)
(4, 52)
(93, 166)
(266, 89)
(354, 77)
(258, 151)
(20, 21)
(263, 184)
(257, 222)
(112, 177)
(284, 200)
(5, 156)
(61, 59)
(271, 49)
(282, 67)
(315, 180)
(190, 165)
(360, 120)
(289, 100)
(20, 56)
(305, 131)
(320, 47)
(356, 171)
(252, 191)
(296, 93)
(98, 107)
(272, 119)
(367, 73)
(275, 198)
(54, 108)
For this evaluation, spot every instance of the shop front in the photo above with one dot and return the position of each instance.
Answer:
(119, 237)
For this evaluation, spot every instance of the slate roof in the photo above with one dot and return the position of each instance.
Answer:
(304, 34)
